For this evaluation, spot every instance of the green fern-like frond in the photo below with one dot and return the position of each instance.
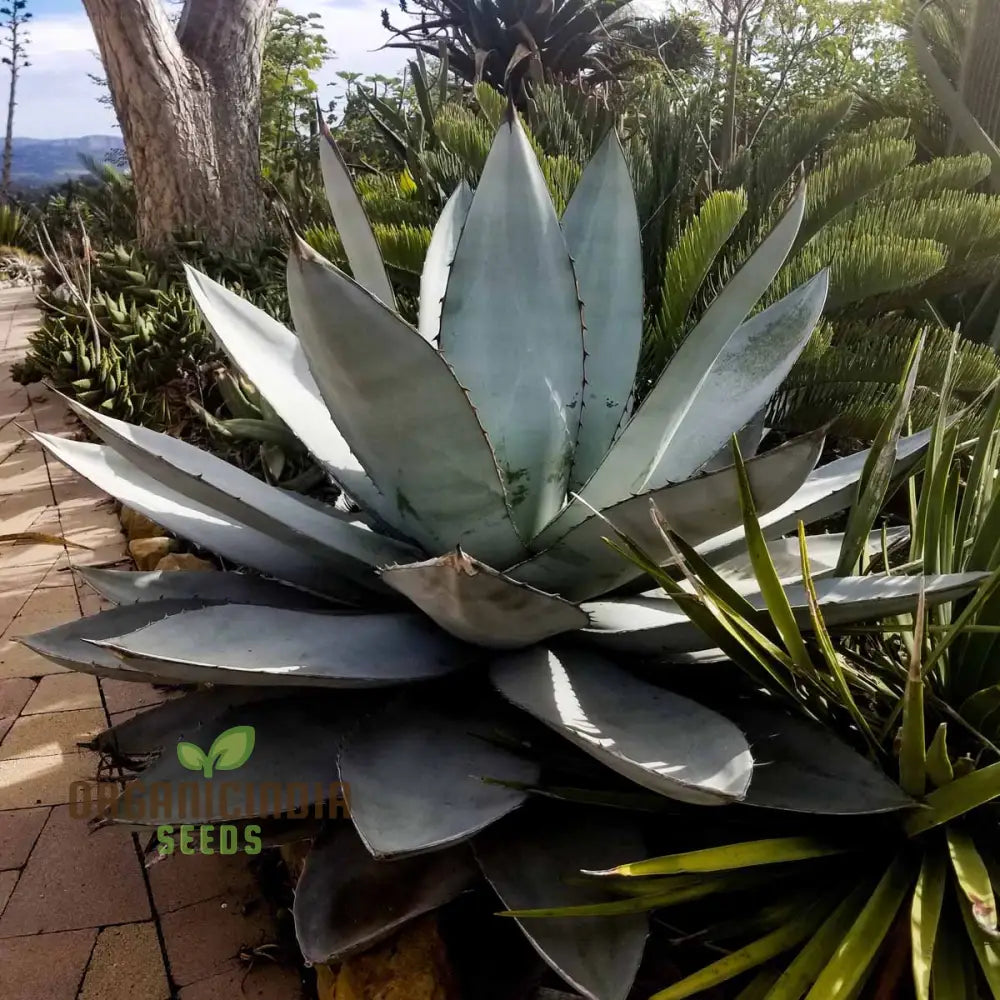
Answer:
(876, 131)
(967, 224)
(944, 173)
(848, 176)
(849, 410)
(850, 380)
(386, 202)
(687, 265)
(950, 280)
(568, 121)
(465, 135)
(561, 175)
(861, 265)
(929, 126)
(667, 156)
(764, 171)
(491, 103)
(448, 169)
(403, 246)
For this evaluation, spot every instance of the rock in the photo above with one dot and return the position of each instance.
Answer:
(147, 552)
(136, 525)
(185, 561)
(412, 965)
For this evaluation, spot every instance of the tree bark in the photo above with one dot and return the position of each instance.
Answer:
(727, 135)
(8, 142)
(188, 102)
(15, 60)
(980, 73)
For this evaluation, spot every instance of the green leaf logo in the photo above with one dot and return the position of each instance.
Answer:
(229, 751)
(190, 756)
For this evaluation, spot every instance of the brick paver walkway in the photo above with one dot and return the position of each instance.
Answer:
(81, 918)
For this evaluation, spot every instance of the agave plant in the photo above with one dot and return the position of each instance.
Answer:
(483, 453)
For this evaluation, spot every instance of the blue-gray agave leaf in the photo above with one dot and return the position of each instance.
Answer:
(424, 447)
(511, 328)
(601, 225)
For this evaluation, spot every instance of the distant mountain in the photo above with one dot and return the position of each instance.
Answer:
(41, 162)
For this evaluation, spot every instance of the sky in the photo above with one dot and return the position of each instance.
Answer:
(56, 99)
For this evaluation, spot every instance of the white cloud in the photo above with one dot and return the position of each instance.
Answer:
(354, 31)
(56, 99)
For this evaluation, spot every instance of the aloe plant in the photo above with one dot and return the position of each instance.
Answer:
(483, 452)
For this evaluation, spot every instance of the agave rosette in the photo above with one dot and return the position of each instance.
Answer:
(483, 454)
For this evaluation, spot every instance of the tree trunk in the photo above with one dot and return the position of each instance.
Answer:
(8, 142)
(727, 136)
(188, 102)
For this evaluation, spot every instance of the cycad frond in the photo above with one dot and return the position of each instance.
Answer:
(568, 121)
(861, 265)
(875, 131)
(928, 125)
(848, 176)
(403, 246)
(465, 135)
(967, 224)
(688, 263)
(850, 373)
(386, 202)
(944, 173)
(765, 171)
(951, 279)
(491, 103)
(448, 169)
(561, 175)
(850, 410)
(666, 156)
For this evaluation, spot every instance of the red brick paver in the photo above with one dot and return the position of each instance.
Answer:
(80, 919)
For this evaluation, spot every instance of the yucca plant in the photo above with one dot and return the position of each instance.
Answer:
(15, 227)
(482, 452)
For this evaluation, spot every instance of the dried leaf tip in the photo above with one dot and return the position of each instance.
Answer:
(510, 115)
(301, 250)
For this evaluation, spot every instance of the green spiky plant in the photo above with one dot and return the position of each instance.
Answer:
(253, 436)
(905, 908)
(896, 234)
(128, 329)
(482, 451)
(592, 42)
